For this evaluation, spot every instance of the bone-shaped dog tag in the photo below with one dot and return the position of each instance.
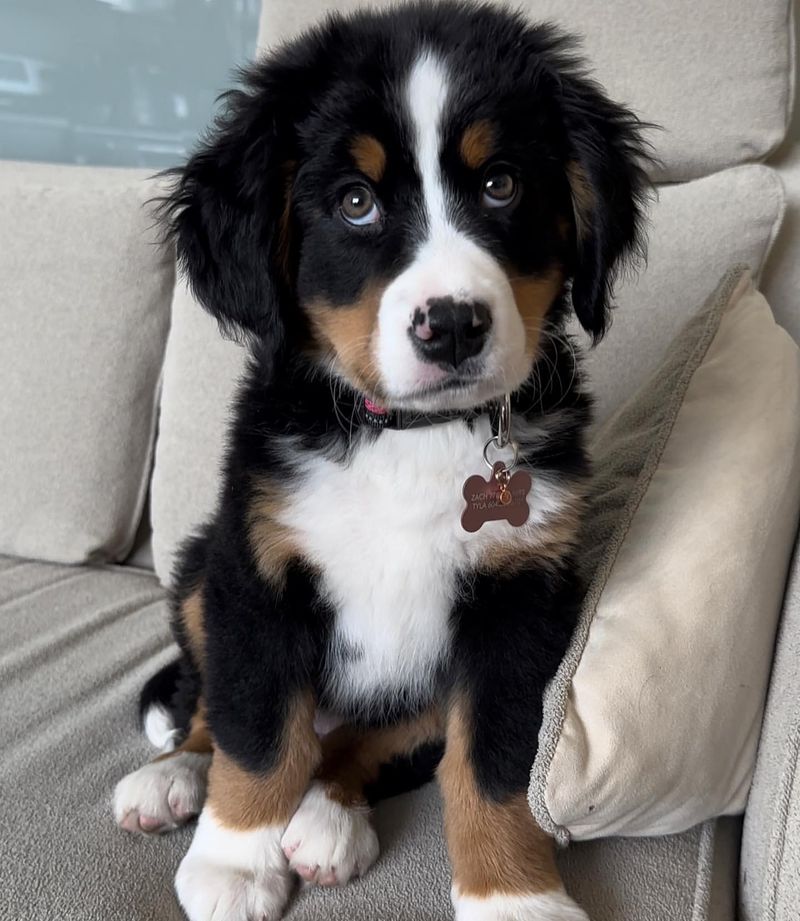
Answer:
(503, 497)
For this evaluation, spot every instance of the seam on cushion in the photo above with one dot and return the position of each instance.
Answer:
(780, 816)
(777, 223)
(18, 565)
(557, 693)
(703, 871)
(131, 569)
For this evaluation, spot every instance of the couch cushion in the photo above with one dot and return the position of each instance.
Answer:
(85, 316)
(694, 511)
(770, 870)
(781, 282)
(200, 374)
(69, 733)
(699, 229)
(717, 76)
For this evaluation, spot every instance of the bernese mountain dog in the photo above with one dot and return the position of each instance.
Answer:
(397, 212)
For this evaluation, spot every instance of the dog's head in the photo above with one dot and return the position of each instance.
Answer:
(406, 197)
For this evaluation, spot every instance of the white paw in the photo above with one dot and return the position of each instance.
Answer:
(230, 875)
(327, 843)
(555, 905)
(163, 794)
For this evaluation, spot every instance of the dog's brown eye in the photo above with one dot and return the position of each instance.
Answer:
(359, 207)
(499, 190)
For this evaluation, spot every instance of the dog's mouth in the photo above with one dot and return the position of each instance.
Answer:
(464, 390)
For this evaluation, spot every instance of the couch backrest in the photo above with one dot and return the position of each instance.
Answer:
(716, 75)
(85, 315)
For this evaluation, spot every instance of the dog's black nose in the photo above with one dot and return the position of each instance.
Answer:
(448, 332)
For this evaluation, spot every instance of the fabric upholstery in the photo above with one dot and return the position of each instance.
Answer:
(698, 230)
(69, 732)
(85, 316)
(770, 868)
(200, 374)
(781, 280)
(652, 723)
(732, 60)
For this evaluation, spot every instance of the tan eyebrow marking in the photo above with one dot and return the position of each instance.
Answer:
(369, 155)
(477, 143)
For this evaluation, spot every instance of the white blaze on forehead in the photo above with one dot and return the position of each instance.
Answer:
(447, 262)
(426, 96)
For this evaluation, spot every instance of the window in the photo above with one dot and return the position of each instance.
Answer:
(116, 82)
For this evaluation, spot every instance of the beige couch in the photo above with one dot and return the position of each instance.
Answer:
(100, 348)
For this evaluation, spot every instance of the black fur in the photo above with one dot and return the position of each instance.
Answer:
(176, 688)
(254, 216)
(403, 774)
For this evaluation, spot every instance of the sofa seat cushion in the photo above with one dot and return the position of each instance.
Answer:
(69, 732)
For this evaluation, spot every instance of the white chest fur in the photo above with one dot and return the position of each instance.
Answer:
(385, 532)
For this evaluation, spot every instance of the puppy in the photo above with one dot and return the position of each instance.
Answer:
(396, 211)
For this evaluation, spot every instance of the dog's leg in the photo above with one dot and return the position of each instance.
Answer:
(260, 645)
(510, 638)
(171, 789)
(330, 838)
(235, 868)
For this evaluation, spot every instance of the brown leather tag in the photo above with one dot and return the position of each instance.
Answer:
(487, 500)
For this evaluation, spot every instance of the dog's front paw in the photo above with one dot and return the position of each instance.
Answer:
(327, 843)
(555, 905)
(230, 875)
(209, 891)
(163, 794)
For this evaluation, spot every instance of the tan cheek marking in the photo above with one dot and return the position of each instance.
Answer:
(349, 332)
(583, 199)
(495, 848)
(274, 545)
(198, 740)
(534, 296)
(243, 800)
(369, 156)
(353, 758)
(477, 144)
(548, 546)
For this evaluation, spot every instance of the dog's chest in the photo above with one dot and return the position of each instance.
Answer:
(384, 531)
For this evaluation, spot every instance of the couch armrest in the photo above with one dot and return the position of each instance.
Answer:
(770, 860)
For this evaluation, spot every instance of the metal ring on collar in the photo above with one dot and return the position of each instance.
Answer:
(495, 440)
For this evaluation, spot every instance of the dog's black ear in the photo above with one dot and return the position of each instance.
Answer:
(229, 213)
(606, 171)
